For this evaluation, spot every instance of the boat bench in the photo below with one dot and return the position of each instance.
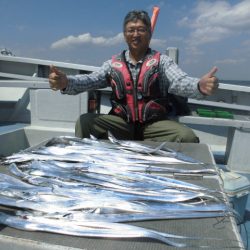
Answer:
(237, 155)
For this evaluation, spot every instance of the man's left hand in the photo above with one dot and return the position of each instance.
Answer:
(209, 83)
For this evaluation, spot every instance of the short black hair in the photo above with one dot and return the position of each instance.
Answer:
(135, 15)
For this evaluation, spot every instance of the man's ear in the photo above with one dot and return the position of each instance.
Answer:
(124, 36)
(150, 34)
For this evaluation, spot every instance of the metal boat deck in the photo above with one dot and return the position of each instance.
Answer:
(224, 228)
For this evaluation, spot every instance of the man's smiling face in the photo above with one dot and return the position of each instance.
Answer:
(137, 36)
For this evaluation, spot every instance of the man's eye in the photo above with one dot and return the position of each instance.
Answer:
(139, 30)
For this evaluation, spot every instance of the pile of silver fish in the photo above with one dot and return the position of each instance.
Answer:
(87, 187)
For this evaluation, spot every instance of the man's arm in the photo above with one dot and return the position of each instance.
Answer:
(179, 83)
(74, 84)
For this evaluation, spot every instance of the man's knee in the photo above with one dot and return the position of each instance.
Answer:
(83, 125)
(172, 131)
(187, 135)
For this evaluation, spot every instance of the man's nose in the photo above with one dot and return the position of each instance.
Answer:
(136, 33)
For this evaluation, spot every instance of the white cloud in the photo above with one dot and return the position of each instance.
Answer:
(195, 51)
(184, 22)
(158, 43)
(230, 61)
(175, 39)
(215, 20)
(246, 43)
(87, 38)
(21, 28)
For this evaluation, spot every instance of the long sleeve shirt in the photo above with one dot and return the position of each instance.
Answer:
(172, 79)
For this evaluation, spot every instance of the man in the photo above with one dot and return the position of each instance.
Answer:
(141, 80)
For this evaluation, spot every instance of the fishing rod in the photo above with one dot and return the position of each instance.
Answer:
(154, 17)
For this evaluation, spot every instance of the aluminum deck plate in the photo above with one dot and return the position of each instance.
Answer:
(224, 228)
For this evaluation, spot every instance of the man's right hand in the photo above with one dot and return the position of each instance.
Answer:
(57, 79)
(209, 83)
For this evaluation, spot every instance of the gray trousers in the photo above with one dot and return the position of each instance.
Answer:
(166, 130)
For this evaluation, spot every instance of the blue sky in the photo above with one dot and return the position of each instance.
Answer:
(207, 33)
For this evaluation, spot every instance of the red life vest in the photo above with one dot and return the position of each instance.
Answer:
(139, 101)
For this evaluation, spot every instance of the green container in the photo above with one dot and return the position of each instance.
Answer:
(214, 113)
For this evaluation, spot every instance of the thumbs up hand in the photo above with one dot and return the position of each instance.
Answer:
(57, 79)
(208, 84)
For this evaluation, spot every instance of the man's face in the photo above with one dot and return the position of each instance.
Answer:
(137, 35)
